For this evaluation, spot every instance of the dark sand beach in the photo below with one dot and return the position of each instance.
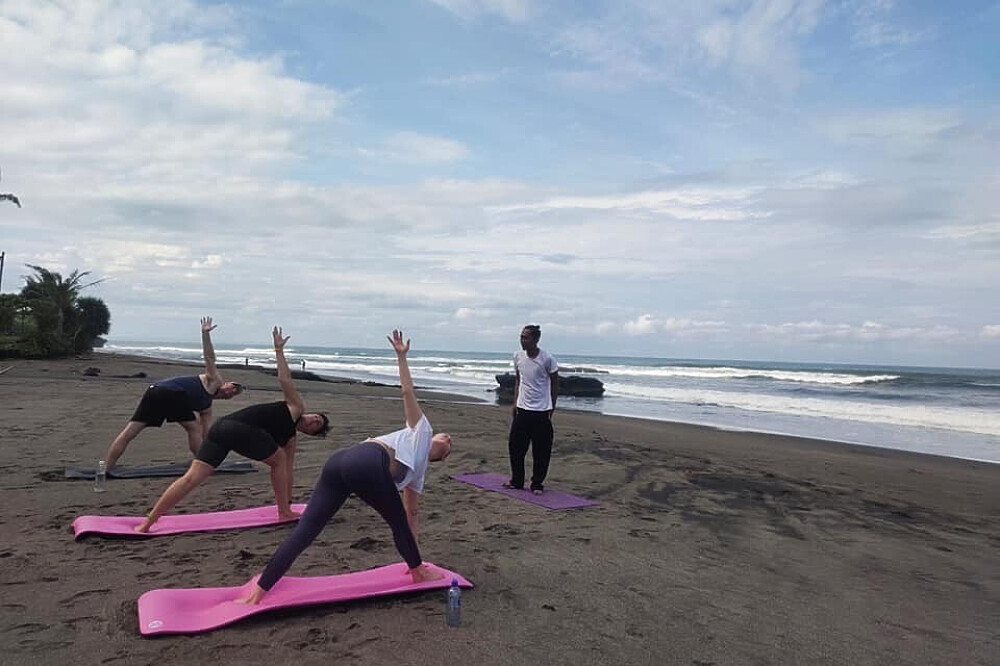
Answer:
(709, 548)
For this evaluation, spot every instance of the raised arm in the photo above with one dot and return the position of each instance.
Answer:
(208, 351)
(411, 408)
(295, 405)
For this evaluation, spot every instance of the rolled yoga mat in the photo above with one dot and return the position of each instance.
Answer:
(260, 516)
(195, 610)
(550, 499)
(147, 471)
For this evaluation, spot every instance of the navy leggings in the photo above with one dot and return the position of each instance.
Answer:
(362, 469)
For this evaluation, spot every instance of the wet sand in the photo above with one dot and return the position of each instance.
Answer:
(708, 547)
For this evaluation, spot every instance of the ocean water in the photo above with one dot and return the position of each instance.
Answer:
(943, 411)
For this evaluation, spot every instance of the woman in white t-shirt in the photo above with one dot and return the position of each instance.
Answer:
(376, 470)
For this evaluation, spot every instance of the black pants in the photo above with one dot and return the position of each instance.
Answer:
(362, 469)
(532, 429)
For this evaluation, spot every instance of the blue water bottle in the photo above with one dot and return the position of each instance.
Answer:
(453, 614)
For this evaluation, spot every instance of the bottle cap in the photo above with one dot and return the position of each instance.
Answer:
(454, 582)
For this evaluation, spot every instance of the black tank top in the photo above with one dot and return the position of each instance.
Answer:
(273, 417)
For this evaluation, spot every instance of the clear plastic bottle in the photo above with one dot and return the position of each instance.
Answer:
(453, 612)
(100, 476)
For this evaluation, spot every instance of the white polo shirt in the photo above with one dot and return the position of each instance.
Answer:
(535, 393)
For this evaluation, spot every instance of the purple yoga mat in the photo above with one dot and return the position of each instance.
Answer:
(192, 611)
(550, 499)
(180, 523)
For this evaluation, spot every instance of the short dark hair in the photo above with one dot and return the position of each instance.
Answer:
(535, 329)
(326, 426)
(240, 388)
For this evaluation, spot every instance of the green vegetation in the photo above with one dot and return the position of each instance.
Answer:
(50, 318)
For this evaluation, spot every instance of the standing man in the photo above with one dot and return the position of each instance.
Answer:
(186, 401)
(536, 388)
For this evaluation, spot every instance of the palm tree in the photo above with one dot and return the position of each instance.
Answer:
(54, 302)
(49, 285)
(95, 321)
(10, 197)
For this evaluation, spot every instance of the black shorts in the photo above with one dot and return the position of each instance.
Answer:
(227, 435)
(159, 404)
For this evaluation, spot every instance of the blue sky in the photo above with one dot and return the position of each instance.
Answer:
(757, 179)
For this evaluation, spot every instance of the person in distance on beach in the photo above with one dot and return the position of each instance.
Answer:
(536, 388)
(186, 401)
(376, 470)
(264, 432)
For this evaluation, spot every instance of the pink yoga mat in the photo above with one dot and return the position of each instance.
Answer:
(192, 611)
(550, 499)
(180, 523)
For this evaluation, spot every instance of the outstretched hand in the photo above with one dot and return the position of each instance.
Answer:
(279, 338)
(397, 342)
(253, 598)
(206, 325)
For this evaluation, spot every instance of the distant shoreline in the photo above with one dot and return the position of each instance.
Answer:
(442, 396)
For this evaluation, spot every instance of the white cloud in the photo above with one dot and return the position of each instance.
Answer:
(128, 90)
(123, 257)
(605, 327)
(692, 326)
(469, 314)
(210, 261)
(153, 145)
(467, 79)
(515, 11)
(641, 325)
(639, 41)
(214, 78)
(907, 130)
(416, 148)
(991, 331)
(760, 43)
(673, 328)
(722, 204)
(874, 27)
(869, 331)
(971, 231)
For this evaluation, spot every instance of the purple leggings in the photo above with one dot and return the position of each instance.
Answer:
(362, 469)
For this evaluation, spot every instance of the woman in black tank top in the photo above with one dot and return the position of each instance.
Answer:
(263, 432)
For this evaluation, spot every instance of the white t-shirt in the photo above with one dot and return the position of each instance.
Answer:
(413, 449)
(535, 393)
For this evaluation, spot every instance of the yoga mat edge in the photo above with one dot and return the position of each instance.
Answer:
(155, 471)
(555, 500)
(197, 610)
(122, 526)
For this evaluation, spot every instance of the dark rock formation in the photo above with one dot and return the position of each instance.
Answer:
(571, 385)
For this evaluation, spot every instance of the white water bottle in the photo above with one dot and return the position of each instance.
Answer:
(453, 612)
(99, 477)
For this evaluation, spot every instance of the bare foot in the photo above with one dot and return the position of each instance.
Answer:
(288, 515)
(537, 491)
(256, 594)
(423, 573)
(143, 527)
(510, 484)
